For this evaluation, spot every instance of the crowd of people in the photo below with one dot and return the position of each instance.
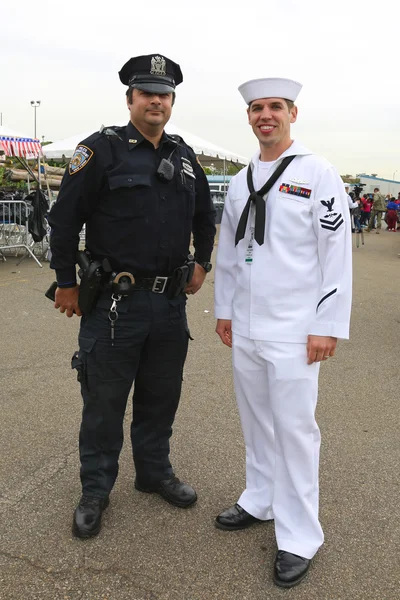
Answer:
(367, 212)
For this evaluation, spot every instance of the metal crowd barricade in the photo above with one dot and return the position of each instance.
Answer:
(14, 232)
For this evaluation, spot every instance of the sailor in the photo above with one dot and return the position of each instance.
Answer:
(350, 201)
(141, 194)
(282, 299)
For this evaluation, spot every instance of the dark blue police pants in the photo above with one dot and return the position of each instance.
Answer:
(150, 347)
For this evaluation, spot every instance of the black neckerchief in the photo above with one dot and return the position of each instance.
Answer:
(258, 199)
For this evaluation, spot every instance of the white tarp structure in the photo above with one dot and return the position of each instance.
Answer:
(7, 132)
(202, 148)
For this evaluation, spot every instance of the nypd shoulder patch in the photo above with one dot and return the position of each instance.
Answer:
(80, 159)
(199, 163)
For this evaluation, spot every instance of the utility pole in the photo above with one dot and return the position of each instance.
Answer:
(35, 104)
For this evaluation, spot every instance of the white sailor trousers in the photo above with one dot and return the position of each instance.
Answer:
(276, 392)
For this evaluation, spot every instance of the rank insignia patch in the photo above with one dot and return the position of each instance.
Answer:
(295, 190)
(329, 204)
(80, 159)
(332, 225)
(332, 220)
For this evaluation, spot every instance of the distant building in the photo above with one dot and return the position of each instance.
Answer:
(219, 183)
(386, 186)
(218, 187)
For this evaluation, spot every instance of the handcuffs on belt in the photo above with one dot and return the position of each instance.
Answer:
(123, 283)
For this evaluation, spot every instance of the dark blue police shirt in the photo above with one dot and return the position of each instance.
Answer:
(141, 224)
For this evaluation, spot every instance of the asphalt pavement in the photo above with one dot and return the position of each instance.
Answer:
(149, 550)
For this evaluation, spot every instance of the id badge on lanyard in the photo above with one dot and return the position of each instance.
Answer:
(249, 250)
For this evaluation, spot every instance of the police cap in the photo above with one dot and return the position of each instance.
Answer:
(151, 73)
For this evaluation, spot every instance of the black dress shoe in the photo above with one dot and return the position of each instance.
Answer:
(87, 516)
(235, 518)
(172, 490)
(290, 569)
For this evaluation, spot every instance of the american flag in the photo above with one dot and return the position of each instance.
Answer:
(26, 147)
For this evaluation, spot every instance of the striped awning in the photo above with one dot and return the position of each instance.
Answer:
(25, 147)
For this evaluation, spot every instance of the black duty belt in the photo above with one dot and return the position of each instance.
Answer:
(124, 283)
(158, 284)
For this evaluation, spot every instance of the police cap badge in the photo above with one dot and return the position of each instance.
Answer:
(152, 73)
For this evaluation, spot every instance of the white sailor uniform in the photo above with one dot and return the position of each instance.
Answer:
(297, 283)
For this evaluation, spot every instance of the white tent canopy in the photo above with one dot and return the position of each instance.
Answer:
(201, 147)
(7, 132)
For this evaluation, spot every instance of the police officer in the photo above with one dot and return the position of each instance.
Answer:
(282, 298)
(140, 193)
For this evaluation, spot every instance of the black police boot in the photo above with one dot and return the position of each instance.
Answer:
(172, 490)
(87, 516)
(235, 518)
(290, 569)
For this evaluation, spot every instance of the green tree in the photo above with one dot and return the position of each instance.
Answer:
(208, 171)
(350, 179)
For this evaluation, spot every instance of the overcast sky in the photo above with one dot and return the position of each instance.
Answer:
(345, 52)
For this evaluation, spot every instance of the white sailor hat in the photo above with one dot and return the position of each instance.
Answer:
(270, 87)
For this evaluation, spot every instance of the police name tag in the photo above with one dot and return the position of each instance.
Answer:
(249, 251)
(187, 168)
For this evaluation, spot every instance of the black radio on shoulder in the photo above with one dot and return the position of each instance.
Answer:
(165, 171)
